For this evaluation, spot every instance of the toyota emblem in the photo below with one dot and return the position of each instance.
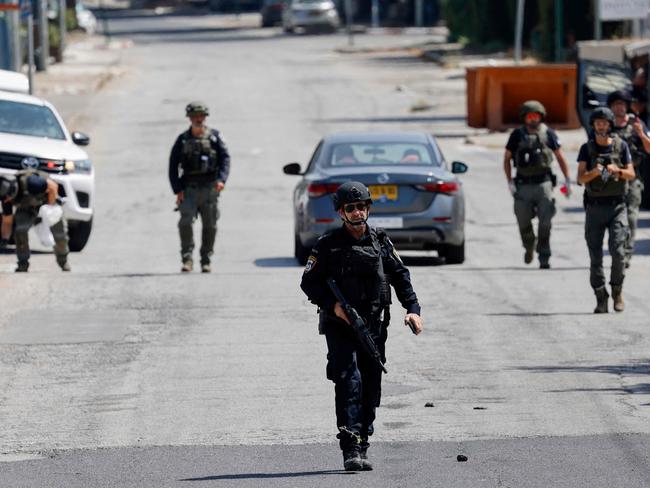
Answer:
(30, 163)
(383, 178)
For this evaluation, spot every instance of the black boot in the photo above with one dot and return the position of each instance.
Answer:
(601, 300)
(363, 453)
(22, 267)
(617, 296)
(352, 459)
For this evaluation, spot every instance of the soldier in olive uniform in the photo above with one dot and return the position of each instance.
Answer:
(531, 148)
(634, 132)
(605, 167)
(27, 191)
(364, 263)
(199, 165)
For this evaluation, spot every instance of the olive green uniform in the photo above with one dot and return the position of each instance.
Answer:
(25, 217)
(532, 158)
(605, 210)
(635, 187)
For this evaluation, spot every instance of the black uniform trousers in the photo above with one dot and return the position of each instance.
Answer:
(357, 380)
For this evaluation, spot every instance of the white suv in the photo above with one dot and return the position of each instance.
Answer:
(33, 135)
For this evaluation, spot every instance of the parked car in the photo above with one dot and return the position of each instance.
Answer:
(33, 135)
(310, 15)
(416, 197)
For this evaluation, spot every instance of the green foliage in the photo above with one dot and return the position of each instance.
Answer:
(71, 19)
(480, 21)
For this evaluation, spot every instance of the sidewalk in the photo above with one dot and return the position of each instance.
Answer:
(89, 62)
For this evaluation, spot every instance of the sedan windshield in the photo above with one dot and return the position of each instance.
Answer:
(29, 120)
(401, 153)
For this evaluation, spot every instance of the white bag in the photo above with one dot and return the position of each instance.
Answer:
(50, 215)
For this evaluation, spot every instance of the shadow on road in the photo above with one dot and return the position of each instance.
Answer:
(245, 476)
(422, 260)
(535, 314)
(400, 119)
(640, 369)
(279, 262)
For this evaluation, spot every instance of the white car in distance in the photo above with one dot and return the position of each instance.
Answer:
(33, 135)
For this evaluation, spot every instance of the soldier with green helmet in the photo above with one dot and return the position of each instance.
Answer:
(634, 132)
(605, 167)
(530, 149)
(199, 165)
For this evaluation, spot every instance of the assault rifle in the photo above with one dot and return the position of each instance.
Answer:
(358, 325)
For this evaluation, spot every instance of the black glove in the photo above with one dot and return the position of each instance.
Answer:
(3, 243)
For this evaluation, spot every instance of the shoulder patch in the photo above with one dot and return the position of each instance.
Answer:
(311, 262)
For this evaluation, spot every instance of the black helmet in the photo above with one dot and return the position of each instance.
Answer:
(350, 192)
(36, 184)
(196, 108)
(532, 106)
(617, 95)
(8, 187)
(602, 113)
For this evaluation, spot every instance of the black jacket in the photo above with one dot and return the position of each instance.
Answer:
(177, 182)
(330, 258)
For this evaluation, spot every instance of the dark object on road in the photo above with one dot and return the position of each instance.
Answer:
(461, 458)
(359, 326)
(480, 408)
(272, 12)
(429, 404)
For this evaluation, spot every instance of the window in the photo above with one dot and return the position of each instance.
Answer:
(29, 120)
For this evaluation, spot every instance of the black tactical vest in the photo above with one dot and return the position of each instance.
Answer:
(25, 199)
(198, 156)
(359, 272)
(532, 156)
(613, 186)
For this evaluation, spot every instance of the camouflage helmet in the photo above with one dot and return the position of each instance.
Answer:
(531, 106)
(350, 192)
(602, 113)
(196, 108)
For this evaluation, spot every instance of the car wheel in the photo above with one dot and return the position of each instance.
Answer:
(78, 234)
(300, 252)
(454, 254)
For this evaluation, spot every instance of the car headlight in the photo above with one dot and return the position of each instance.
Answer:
(79, 166)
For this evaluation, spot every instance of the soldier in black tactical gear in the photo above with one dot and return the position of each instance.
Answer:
(364, 263)
(605, 167)
(634, 132)
(27, 191)
(530, 149)
(199, 165)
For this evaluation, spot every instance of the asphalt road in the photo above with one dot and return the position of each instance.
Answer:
(127, 373)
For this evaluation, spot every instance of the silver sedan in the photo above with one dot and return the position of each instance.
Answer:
(416, 197)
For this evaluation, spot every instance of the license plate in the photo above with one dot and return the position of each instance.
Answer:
(386, 222)
(314, 13)
(383, 192)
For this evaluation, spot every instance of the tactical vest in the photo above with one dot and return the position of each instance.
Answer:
(24, 198)
(198, 156)
(627, 134)
(359, 272)
(533, 157)
(614, 186)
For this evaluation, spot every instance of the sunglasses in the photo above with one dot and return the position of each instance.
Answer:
(351, 207)
(533, 116)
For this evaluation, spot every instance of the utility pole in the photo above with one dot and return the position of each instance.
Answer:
(519, 27)
(419, 7)
(374, 10)
(62, 27)
(43, 38)
(559, 29)
(598, 34)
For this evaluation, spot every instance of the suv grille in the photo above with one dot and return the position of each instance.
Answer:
(13, 161)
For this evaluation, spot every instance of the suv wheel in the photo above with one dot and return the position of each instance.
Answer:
(78, 234)
(453, 254)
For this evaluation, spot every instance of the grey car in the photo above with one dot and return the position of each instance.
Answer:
(416, 197)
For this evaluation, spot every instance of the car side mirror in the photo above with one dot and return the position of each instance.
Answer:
(291, 169)
(80, 139)
(458, 167)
